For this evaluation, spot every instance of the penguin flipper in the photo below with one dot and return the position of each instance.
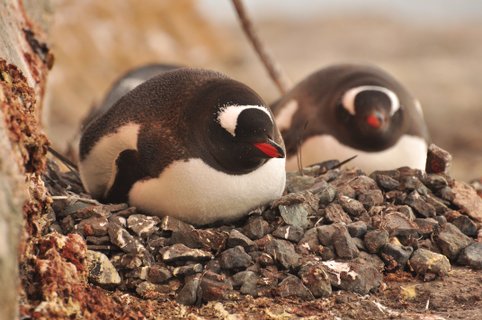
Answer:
(129, 170)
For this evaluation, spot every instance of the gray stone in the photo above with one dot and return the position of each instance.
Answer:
(172, 224)
(179, 252)
(124, 240)
(343, 243)
(334, 213)
(435, 181)
(97, 240)
(295, 215)
(415, 201)
(261, 258)
(297, 183)
(446, 193)
(357, 229)
(190, 292)
(215, 287)
(386, 182)
(93, 226)
(451, 241)
(246, 281)
(158, 274)
(375, 240)
(326, 195)
(292, 286)
(440, 207)
(256, 228)
(398, 224)
(325, 234)
(467, 226)
(101, 270)
(290, 233)
(309, 242)
(471, 256)
(314, 277)
(353, 276)
(395, 254)
(236, 238)
(410, 183)
(371, 198)
(363, 184)
(353, 207)
(426, 226)
(406, 211)
(424, 261)
(438, 160)
(142, 225)
(187, 270)
(235, 258)
(284, 253)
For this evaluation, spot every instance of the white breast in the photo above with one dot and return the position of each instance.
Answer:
(196, 193)
(409, 151)
(98, 169)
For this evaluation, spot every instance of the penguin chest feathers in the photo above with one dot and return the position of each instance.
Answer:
(193, 191)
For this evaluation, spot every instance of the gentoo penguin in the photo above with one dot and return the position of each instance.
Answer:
(125, 83)
(189, 143)
(347, 110)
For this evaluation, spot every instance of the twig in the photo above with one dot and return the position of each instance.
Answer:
(72, 166)
(274, 70)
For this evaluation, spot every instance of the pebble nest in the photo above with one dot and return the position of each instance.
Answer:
(333, 229)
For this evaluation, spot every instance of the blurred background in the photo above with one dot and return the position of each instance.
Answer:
(433, 47)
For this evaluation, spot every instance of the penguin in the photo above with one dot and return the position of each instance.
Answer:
(189, 143)
(351, 110)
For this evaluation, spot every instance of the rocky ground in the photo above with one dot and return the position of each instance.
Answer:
(338, 245)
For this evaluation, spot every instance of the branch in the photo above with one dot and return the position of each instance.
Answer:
(274, 70)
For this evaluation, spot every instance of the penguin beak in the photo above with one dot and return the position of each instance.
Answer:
(376, 119)
(271, 149)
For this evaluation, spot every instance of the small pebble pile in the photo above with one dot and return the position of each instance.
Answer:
(334, 229)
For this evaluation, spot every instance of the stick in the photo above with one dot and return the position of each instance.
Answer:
(72, 166)
(274, 70)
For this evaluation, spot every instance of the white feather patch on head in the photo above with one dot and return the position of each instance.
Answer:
(228, 116)
(348, 99)
(285, 116)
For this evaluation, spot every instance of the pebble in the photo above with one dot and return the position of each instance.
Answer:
(353, 207)
(386, 182)
(291, 233)
(189, 293)
(343, 243)
(415, 201)
(93, 226)
(467, 199)
(101, 269)
(471, 256)
(179, 252)
(296, 182)
(424, 261)
(438, 160)
(309, 242)
(451, 241)
(371, 198)
(292, 286)
(326, 195)
(325, 234)
(158, 274)
(295, 215)
(334, 213)
(187, 270)
(142, 225)
(235, 258)
(467, 226)
(256, 228)
(426, 226)
(357, 229)
(284, 253)
(246, 281)
(395, 255)
(375, 240)
(236, 238)
(315, 278)
(124, 240)
(215, 287)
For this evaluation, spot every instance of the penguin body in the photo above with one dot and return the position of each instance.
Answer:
(347, 110)
(189, 143)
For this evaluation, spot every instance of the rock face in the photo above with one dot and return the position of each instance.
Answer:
(334, 229)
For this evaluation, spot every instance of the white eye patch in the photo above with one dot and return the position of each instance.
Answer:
(348, 99)
(228, 116)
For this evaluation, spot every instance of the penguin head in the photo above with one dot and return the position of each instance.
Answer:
(249, 132)
(371, 114)
(240, 134)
